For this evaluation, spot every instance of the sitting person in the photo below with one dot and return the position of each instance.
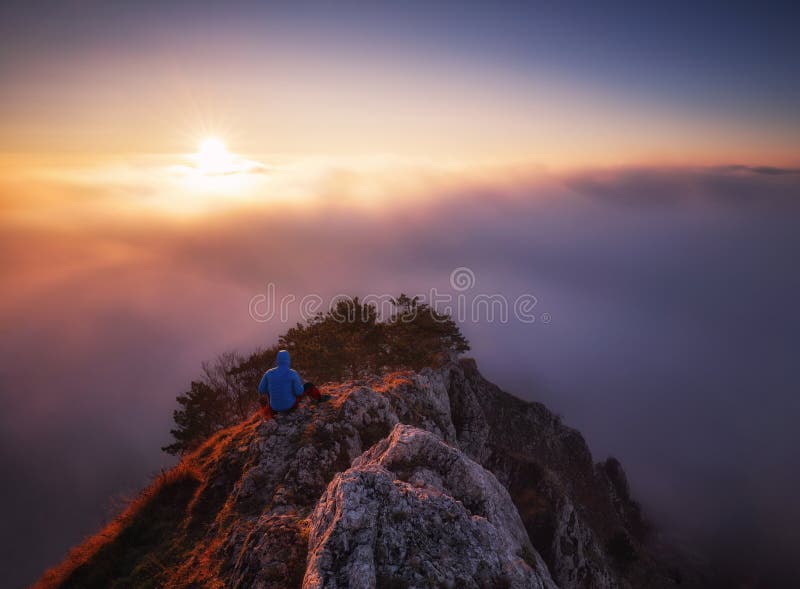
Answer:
(281, 388)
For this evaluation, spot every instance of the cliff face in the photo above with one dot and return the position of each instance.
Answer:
(436, 479)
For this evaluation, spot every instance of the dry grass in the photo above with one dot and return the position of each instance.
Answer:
(183, 476)
(392, 380)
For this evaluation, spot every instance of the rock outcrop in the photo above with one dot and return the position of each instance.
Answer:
(430, 479)
(416, 512)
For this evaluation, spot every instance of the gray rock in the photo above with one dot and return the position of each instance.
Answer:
(419, 512)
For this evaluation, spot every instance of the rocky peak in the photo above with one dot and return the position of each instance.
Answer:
(430, 479)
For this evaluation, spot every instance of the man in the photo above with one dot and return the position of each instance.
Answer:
(281, 387)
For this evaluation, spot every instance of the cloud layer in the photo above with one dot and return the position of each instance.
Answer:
(672, 294)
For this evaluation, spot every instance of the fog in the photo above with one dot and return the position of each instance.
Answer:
(671, 296)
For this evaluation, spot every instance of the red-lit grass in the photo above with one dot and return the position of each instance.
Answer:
(124, 547)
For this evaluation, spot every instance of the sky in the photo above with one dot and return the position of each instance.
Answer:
(635, 168)
(560, 84)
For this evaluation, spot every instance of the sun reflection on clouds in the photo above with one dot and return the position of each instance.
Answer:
(215, 181)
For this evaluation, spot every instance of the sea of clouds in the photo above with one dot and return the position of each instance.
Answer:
(671, 296)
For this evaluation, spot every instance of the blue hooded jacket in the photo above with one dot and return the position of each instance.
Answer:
(281, 383)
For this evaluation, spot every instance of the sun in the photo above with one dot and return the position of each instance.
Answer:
(212, 156)
(212, 175)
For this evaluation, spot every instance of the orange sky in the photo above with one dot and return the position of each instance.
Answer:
(299, 102)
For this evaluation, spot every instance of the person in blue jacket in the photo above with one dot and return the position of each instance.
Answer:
(280, 386)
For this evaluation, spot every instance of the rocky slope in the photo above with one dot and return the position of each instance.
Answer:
(436, 479)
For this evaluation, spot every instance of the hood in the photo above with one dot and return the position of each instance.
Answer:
(284, 359)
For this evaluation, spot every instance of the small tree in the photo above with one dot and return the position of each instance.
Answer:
(231, 384)
(418, 335)
(224, 395)
(346, 342)
(204, 410)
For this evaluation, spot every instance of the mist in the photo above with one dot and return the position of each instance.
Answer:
(670, 295)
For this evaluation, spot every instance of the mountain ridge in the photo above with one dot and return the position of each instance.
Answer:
(270, 504)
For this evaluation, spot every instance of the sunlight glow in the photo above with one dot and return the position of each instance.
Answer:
(212, 178)
(213, 157)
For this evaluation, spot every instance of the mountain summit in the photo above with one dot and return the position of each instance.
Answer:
(428, 479)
